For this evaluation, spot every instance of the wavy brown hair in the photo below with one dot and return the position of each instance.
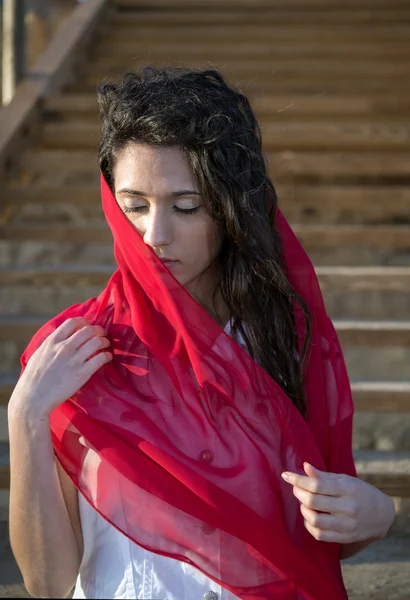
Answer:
(214, 125)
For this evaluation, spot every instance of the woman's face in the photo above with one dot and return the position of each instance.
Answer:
(159, 195)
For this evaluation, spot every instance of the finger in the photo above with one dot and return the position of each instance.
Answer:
(327, 486)
(93, 345)
(84, 335)
(96, 362)
(325, 521)
(312, 471)
(325, 535)
(66, 329)
(327, 504)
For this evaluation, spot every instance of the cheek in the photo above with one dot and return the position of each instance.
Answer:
(203, 241)
(136, 222)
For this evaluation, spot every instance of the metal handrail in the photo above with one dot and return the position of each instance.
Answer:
(55, 67)
(13, 47)
(14, 42)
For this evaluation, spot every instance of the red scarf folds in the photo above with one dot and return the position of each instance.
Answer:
(180, 441)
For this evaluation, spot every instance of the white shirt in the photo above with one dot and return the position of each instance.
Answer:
(115, 567)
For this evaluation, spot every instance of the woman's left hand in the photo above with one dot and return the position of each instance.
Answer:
(339, 508)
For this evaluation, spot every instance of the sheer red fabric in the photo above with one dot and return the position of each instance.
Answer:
(180, 441)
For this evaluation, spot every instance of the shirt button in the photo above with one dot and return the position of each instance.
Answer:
(211, 595)
(206, 456)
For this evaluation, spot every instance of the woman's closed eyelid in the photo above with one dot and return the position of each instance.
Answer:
(178, 207)
(181, 211)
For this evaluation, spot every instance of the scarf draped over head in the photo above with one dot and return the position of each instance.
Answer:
(180, 440)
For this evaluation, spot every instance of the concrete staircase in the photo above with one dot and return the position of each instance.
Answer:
(330, 83)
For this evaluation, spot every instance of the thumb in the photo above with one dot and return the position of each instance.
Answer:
(311, 471)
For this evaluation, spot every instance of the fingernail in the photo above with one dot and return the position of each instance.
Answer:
(286, 476)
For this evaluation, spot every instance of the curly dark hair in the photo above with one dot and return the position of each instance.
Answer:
(214, 125)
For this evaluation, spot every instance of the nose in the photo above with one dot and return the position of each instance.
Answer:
(158, 228)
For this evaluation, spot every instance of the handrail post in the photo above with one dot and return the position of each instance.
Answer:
(13, 47)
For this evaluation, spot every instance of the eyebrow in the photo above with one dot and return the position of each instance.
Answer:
(173, 194)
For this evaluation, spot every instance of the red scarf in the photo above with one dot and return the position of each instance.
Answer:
(180, 441)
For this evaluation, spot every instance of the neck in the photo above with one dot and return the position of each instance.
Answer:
(207, 292)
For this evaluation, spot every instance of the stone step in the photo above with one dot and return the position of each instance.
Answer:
(269, 14)
(315, 80)
(381, 396)
(373, 333)
(285, 165)
(40, 253)
(350, 332)
(299, 202)
(369, 396)
(262, 5)
(378, 351)
(395, 237)
(363, 362)
(389, 472)
(381, 421)
(251, 83)
(347, 278)
(114, 64)
(112, 47)
(74, 275)
(281, 107)
(244, 33)
(43, 299)
(349, 292)
(364, 278)
(277, 136)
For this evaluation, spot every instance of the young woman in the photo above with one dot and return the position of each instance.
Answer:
(187, 434)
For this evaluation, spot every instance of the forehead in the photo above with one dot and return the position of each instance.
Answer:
(154, 170)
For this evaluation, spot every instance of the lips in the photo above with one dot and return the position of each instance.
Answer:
(169, 262)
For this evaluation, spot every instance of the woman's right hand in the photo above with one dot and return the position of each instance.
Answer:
(63, 363)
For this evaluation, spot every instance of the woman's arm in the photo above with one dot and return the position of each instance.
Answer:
(46, 546)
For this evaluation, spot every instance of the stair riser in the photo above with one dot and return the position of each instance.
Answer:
(77, 142)
(268, 69)
(388, 107)
(38, 254)
(334, 208)
(295, 85)
(376, 364)
(39, 298)
(372, 431)
(400, 525)
(126, 22)
(381, 431)
(79, 167)
(42, 253)
(354, 256)
(301, 84)
(114, 53)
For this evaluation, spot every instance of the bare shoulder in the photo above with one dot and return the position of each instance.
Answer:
(70, 494)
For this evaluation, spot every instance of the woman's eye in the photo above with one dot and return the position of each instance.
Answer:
(177, 209)
(133, 209)
(186, 211)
